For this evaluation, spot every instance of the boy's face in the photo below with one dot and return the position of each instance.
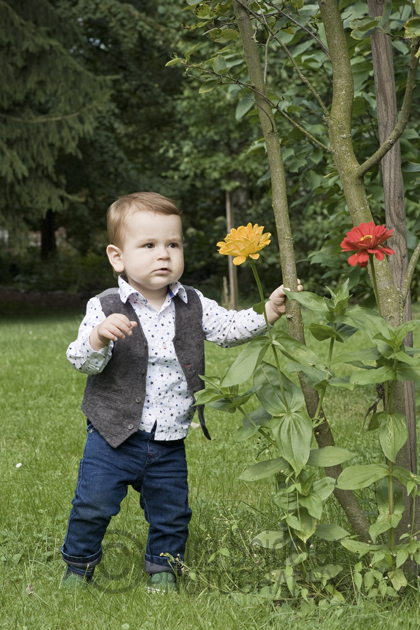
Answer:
(152, 253)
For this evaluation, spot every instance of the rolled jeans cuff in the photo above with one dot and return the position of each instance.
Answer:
(156, 564)
(80, 562)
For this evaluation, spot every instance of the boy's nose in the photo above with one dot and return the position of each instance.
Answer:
(163, 252)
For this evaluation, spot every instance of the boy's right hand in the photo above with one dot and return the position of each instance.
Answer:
(115, 326)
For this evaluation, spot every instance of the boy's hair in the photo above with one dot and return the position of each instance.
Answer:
(135, 202)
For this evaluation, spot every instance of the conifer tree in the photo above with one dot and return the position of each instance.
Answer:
(48, 102)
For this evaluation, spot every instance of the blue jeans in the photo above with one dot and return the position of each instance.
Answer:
(157, 470)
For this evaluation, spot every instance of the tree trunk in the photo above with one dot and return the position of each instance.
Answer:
(280, 207)
(233, 271)
(392, 178)
(48, 244)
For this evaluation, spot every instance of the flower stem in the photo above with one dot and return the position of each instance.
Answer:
(260, 291)
(391, 503)
(375, 284)
(321, 398)
(263, 433)
(270, 334)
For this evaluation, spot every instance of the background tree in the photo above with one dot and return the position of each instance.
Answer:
(48, 103)
(307, 40)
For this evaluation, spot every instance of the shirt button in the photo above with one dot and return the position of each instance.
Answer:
(138, 399)
(131, 426)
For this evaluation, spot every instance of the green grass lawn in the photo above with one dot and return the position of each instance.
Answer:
(41, 443)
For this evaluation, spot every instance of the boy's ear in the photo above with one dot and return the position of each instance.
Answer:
(114, 254)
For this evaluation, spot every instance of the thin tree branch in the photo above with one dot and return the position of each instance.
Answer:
(409, 276)
(403, 118)
(324, 48)
(273, 35)
(267, 101)
(302, 77)
(302, 129)
(266, 58)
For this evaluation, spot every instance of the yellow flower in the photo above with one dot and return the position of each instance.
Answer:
(244, 242)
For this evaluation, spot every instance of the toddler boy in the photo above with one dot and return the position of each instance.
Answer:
(142, 346)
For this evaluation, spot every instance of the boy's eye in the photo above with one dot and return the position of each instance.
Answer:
(173, 244)
(148, 245)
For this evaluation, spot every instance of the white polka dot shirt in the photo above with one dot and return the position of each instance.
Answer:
(168, 400)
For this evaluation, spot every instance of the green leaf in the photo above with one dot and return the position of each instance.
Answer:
(323, 487)
(269, 539)
(329, 456)
(393, 433)
(173, 62)
(219, 65)
(358, 580)
(266, 380)
(205, 396)
(208, 86)
(402, 555)
(330, 532)
(244, 433)
(406, 372)
(403, 475)
(313, 504)
(357, 477)
(341, 382)
(259, 417)
(326, 572)
(322, 332)
(363, 27)
(368, 377)
(356, 547)
(264, 469)
(311, 301)
(229, 34)
(369, 320)
(379, 528)
(243, 108)
(306, 525)
(412, 31)
(365, 354)
(398, 579)
(403, 330)
(345, 331)
(297, 351)
(259, 308)
(382, 498)
(313, 377)
(293, 434)
(244, 365)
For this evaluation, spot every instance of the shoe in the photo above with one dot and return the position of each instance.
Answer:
(161, 582)
(72, 581)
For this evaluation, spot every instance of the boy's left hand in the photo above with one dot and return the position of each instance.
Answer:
(276, 305)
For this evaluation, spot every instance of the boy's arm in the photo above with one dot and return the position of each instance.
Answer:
(229, 328)
(115, 326)
(82, 356)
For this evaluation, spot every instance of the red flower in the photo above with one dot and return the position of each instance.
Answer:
(366, 239)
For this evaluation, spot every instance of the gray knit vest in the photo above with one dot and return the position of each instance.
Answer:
(114, 398)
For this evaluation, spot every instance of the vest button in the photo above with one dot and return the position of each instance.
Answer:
(130, 426)
(143, 372)
(138, 399)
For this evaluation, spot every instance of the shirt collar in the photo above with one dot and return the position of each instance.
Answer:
(126, 290)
